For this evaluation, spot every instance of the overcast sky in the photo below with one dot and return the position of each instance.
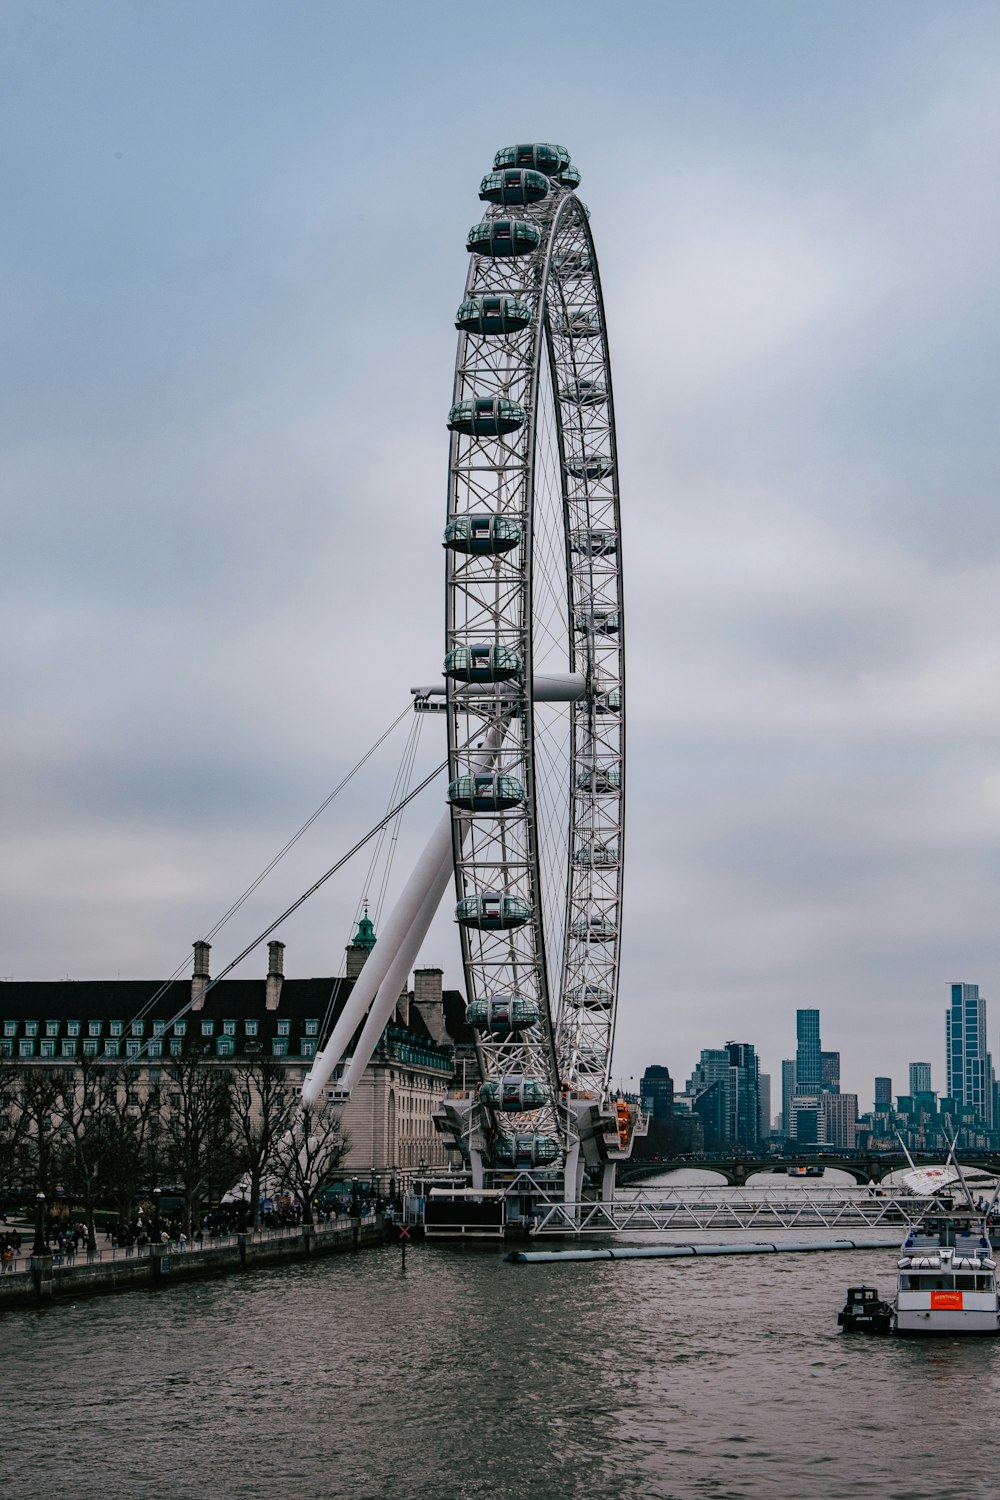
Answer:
(233, 247)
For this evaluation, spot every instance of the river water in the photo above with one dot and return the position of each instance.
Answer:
(465, 1378)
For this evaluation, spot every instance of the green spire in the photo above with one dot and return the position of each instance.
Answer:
(365, 935)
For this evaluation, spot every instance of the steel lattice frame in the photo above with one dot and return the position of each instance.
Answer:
(571, 975)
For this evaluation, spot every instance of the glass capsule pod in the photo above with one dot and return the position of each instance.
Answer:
(590, 997)
(580, 323)
(541, 155)
(594, 543)
(596, 854)
(608, 701)
(503, 1015)
(596, 929)
(493, 314)
(482, 535)
(600, 621)
(514, 187)
(584, 392)
(485, 661)
(526, 1151)
(513, 1093)
(602, 779)
(486, 416)
(491, 792)
(569, 177)
(492, 912)
(503, 238)
(590, 466)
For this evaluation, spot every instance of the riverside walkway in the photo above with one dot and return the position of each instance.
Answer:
(31, 1279)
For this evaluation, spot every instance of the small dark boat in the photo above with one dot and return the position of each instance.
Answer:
(865, 1312)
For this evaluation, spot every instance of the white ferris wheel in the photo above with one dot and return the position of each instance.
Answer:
(533, 693)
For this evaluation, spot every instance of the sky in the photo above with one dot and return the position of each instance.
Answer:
(233, 248)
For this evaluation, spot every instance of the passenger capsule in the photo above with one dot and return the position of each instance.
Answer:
(525, 1151)
(589, 997)
(600, 621)
(503, 1015)
(596, 854)
(590, 466)
(490, 315)
(584, 392)
(486, 416)
(569, 177)
(541, 155)
(513, 1093)
(596, 929)
(513, 187)
(594, 543)
(482, 535)
(492, 912)
(503, 238)
(485, 661)
(601, 780)
(580, 324)
(608, 701)
(488, 793)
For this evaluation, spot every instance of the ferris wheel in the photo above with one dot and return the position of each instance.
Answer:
(534, 693)
(535, 656)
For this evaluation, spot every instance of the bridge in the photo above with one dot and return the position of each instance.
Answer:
(736, 1170)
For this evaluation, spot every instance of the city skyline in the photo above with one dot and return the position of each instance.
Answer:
(231, 354)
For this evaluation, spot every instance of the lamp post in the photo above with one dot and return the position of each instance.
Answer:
(39, 1247)
(156, 1212)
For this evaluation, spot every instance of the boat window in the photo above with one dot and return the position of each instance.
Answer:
(965, 1283)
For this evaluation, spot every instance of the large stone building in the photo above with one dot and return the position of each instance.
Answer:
(235, 1022)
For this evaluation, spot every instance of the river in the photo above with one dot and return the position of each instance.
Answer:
(465, 1378)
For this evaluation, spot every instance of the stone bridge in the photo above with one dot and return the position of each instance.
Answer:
(737, 1169)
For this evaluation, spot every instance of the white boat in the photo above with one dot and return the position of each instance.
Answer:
(947, 1277)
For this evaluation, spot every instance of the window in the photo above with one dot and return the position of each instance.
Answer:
(90, 1047)
(138, 1027)
(155, 1049)
(159, 1027)
(312, 1028)
(132, 1049)
(154, 1075)
(308, 1049)
(93, 1028)
(72, 1028)
(117, 1027)
(25, 1049)
(229, 1028)
(284, 1028)
(31, 1028)
(279, 1047)
(180, 1028)
(176, 1046)
(10, 1028)
(52, 1028)
(224, 1046)
(47, 1049)
(175, 1100)
(250, 1027)
(6, 1049)
(207, 1028)
(69, 1046)
(111, 1048)
(133, 1098)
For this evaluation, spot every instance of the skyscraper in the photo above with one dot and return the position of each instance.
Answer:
(883, 1093)
(787, 1093)
(657, 1092)
(808, 1054)
(970, 1068)
(830, 1070)
(764, 1092)
(743, 1095)
(920, 1078)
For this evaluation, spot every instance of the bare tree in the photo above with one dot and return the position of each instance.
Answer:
(39, 1127)
(262, 1110)
(87, 1107)
(13, 1127)
(197, 1127)
(309, 1152)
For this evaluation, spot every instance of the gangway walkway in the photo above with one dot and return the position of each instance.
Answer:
(662, 1211)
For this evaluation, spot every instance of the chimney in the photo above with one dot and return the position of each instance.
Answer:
(275, 973)
(403, 1008)
(428, 999)
(200, 976)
